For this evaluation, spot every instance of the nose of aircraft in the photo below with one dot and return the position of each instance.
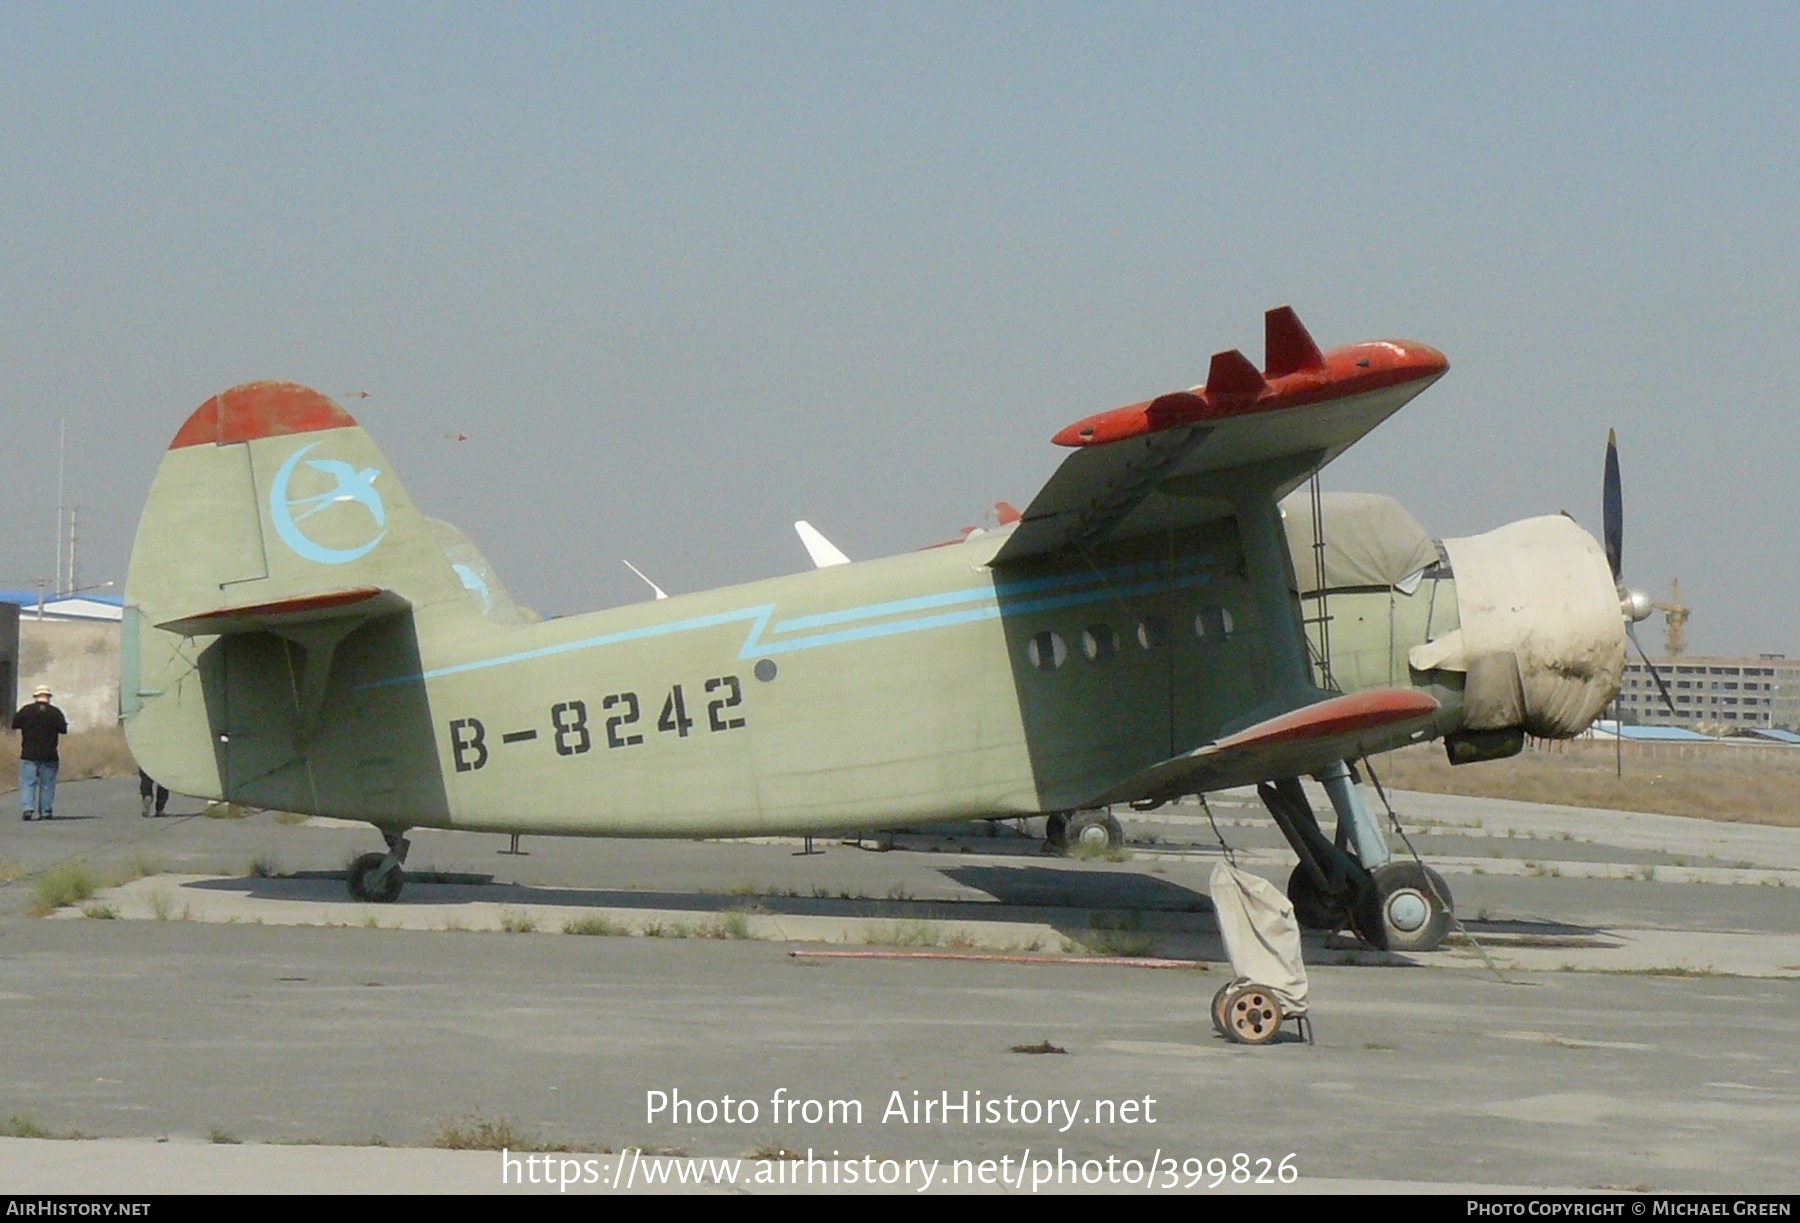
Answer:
(1542, 640)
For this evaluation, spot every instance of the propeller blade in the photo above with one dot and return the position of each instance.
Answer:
(1612, 508)
(1631, 632)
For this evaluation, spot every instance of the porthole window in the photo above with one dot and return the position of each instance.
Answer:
(1099, 643)
(1214, 622)
(1047, 651)
(1153, 632)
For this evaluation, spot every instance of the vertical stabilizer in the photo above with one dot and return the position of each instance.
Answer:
(277, 566)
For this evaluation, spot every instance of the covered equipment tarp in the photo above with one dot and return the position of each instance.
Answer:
(1262, 939)
(1370, 540)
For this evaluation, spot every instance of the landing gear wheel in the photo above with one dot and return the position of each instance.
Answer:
(1095, 830)
(1406, 907)
(1218, 1011)
(1056, 832)
(1252, 1016)
(362, 885)
(1312, 908)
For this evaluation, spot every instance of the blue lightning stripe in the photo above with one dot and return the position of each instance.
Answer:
(1000, 600)
(978, 594)
(754, 648)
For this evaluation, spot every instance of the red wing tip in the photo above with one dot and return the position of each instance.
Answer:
(260, 409)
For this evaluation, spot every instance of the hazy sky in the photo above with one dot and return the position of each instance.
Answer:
(685, 274)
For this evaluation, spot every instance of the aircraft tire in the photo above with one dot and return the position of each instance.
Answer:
(1312, 909)
(1097, 829)
(358, 877)
(1407, 904)
(1056, 832)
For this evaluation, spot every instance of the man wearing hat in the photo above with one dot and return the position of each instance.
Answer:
(39, 724)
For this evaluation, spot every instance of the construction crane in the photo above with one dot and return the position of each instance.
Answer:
(1675, 617)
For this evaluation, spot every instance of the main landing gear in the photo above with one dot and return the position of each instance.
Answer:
(1096, 828)
(378, 878)
(1352, 880)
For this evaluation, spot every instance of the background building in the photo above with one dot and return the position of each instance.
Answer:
(1719, 695)
(70, 642)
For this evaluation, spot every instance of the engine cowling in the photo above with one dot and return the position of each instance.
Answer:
(1542, 640)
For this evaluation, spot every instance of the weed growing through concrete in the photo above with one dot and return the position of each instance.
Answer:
(477, 1133)
(70, 883)
(99, 912)
(1117, 936)
(1084, 852)
(1043, 1046)
(162, 904)
(291, 817)
(516, 921)
(262, 866)
(20, 1125)
(902, 934)
(218, 1136)
(594, 924)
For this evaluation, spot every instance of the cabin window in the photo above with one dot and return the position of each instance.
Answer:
(1214, 622)
(1046, 651)
(1099, 643)
(1153, 632)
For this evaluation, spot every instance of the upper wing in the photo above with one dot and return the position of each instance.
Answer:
(1185, 457)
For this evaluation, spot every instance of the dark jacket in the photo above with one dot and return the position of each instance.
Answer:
(38, 726)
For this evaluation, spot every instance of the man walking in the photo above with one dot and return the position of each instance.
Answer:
(39, 724)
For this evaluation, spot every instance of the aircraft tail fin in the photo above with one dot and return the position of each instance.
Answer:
(279, 570)
(272, 493)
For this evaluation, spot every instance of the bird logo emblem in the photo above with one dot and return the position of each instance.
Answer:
(351, 488)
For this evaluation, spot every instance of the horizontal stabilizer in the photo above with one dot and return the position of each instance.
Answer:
(356, 603)
(1290, 745)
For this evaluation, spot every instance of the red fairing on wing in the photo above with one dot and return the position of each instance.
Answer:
(1296, 374)
(1340, 715)
(260, 409)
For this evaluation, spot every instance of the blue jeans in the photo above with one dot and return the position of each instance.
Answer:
(37, 786)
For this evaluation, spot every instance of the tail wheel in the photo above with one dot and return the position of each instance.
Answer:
(363, 886)
(1313, 909)
(1406, 907)
(1252, 1016)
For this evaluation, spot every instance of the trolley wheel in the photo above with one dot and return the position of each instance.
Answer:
(1252, 1015)
(1218, 1011)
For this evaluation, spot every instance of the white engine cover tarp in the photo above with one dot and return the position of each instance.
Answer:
(1542, 638)
(1370, 540)
(1262, 938)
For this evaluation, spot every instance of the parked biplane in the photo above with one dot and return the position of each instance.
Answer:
(299, 636)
